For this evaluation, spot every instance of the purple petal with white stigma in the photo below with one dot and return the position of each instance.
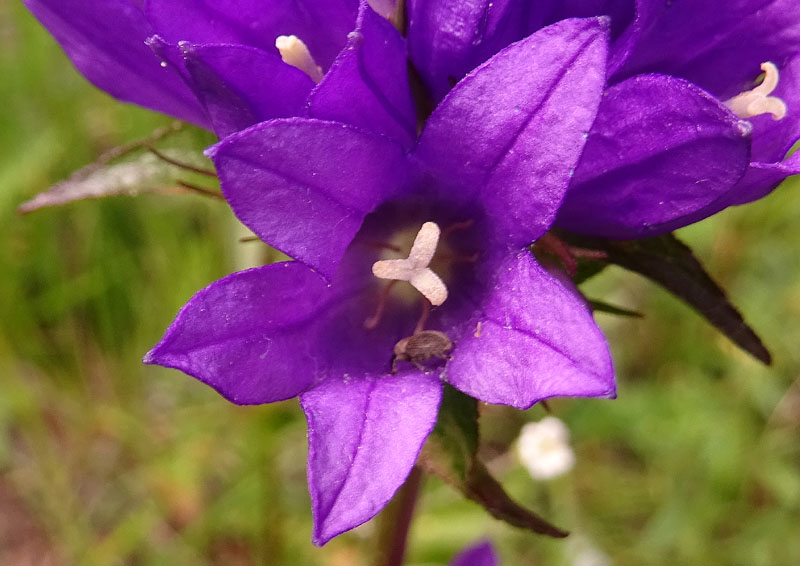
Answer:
(105, 39)
(364, 436)
(773, 138)
(367, 85)
(304, 186)
(717, 45)
(447, 39)
(241, 86)
(477, 554)
(534, 338)
(660, 150)
(248, 335)
(322, 25)
(510, 134)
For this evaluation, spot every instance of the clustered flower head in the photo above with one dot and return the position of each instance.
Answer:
(411, 242)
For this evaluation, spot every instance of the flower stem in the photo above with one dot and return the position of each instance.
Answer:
(395, 521)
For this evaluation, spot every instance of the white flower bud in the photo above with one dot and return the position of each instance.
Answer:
(543, 448)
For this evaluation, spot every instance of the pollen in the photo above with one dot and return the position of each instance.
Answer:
(295, 53)
(757, 101)
(414, 268)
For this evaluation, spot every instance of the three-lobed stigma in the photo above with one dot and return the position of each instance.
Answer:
(757, 101)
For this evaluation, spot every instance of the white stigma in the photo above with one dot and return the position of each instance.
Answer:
(414, 269)
(295, 53)
(757, 101)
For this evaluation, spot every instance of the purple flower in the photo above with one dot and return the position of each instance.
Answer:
(664, 151)
(483, 181)
(476, 554)
(218, 64)
(721, 48)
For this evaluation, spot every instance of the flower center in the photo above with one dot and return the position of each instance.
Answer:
(429, 263)
(414, 268)
(757, 100)
(295, 53)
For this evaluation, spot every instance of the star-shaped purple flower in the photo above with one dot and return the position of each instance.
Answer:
(381, 231)
(667, 149)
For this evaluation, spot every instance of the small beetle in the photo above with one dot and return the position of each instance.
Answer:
(421, 347)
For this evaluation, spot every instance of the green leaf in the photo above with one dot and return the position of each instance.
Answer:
(608, 308)
(670, 263)
(453, 444)
(451, 453)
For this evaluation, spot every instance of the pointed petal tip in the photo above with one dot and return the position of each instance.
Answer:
(324, 533)
(211, 151)
(355, 469)
(156, 43)
(156, 357)
(604, 23)
(596, 24)
(149, 358)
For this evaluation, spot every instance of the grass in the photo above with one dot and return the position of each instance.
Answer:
(106, 461)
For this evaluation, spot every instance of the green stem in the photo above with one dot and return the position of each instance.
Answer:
(395, 521)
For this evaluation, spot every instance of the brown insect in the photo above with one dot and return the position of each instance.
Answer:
(421, 347)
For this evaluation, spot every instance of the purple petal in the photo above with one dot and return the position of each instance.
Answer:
(105, 39)
(322, 25)
(247, 335)
(512, 131)
(241, 86)
(364, 437)
(717, 45)
(628, 17)
(304, 186)
(660, 150)
(367, 85)
(760, 180)
(534, 338)
(448, 39)
(621, 12)
(477, 554)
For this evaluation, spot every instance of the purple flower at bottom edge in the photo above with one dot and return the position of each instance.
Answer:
(478, 553)
(483, 182)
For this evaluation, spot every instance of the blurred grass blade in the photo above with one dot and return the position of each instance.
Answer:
(451, 454)
(670, 263)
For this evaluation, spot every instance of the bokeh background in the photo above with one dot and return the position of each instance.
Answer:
(105, 461)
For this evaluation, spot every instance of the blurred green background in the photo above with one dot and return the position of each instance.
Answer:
(105, 461)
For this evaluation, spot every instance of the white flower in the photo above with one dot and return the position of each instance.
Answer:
(544, 450)
(581, 552)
